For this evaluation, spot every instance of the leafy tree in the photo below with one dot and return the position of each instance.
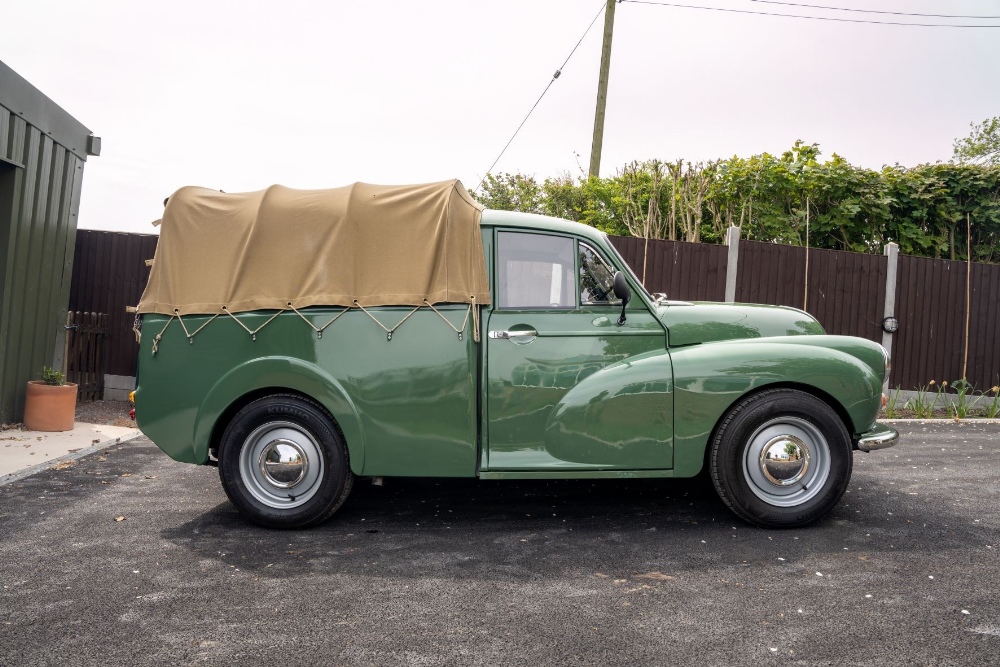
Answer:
(592, 201)
(929, 210)
(510, 192)
(982, 146)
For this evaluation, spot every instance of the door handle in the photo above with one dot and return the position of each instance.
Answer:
(514, 335)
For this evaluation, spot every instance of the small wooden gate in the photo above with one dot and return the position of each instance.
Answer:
(86, 343)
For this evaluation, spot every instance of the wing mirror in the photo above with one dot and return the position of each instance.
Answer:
(623, 292)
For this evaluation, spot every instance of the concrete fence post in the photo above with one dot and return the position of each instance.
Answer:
(892, 253)
(732, 264)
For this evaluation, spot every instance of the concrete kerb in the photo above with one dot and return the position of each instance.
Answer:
(71, 456)
(979, 421)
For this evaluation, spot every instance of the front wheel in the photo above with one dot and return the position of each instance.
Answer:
(283, 463)
(781, 459)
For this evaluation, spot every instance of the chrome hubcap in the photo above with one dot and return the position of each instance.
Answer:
(784, 460)
(787, 461)
(281, 465)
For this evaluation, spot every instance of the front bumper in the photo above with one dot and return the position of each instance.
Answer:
(880, 437)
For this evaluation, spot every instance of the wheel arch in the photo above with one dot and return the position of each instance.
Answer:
(215, 441)
(813, 390)
(277, 375)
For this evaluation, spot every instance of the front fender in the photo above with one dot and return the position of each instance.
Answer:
(618, 417)
(709, 379)
(280, 373)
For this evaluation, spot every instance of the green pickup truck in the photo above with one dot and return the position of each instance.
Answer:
(299, 339)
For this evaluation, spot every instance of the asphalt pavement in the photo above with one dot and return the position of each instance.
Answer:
(127, 558)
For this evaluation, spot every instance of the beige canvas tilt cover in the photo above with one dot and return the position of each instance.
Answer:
(374, 244)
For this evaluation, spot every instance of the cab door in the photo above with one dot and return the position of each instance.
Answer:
(567, 387)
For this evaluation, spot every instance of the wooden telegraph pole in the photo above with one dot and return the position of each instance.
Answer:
(602, 91)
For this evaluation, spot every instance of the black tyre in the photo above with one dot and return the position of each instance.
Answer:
(283, 463)
(781, 459)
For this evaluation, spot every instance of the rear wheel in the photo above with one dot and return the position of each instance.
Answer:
(781, 458)
(283, 463)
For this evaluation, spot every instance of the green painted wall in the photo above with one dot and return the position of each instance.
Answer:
(42, 153)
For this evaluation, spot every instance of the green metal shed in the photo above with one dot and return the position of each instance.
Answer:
(42, 152)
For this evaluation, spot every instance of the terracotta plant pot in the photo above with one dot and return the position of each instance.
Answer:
(49, 407)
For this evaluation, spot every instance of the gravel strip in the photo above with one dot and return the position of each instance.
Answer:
(111, 413)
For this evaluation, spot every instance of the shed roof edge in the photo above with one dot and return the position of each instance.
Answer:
(38, 110)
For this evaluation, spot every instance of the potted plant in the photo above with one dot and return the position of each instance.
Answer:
(50, 403)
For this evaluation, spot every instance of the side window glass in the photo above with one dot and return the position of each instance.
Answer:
(597, 280)
(535, 271)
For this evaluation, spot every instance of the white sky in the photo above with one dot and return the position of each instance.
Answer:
(240, 95)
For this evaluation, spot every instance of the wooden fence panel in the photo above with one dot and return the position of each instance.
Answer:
(770, 273)
(847, 292)
(683, 271)
(984, 327)
(846, 289)
(109, 274)
(930, 306)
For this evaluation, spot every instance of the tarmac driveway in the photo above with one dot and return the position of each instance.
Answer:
(462, 572)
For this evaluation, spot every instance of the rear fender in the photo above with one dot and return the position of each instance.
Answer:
(280, 373)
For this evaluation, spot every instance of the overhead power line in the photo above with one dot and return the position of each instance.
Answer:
(814, 18)
(551, 81)
(875, 11)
